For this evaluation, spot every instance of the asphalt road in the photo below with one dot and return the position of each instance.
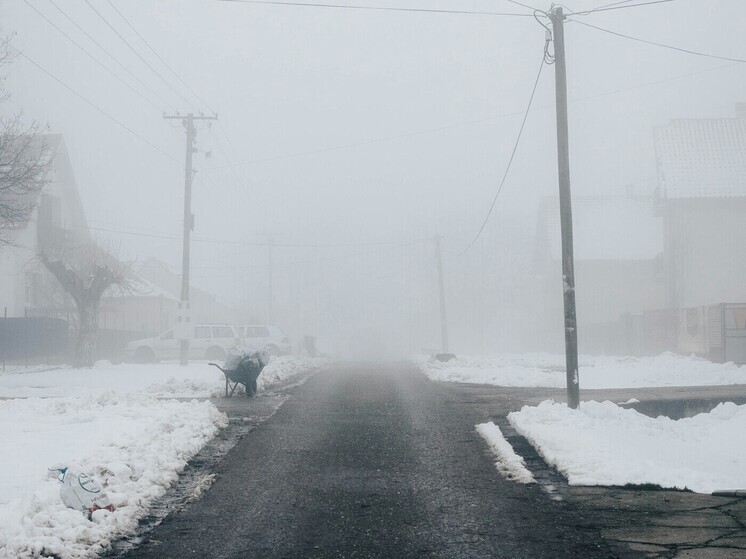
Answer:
(371, 462)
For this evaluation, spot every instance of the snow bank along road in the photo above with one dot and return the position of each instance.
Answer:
(372, 462)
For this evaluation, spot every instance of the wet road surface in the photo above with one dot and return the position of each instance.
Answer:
(371, 462)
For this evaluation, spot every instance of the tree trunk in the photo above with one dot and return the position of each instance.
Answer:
(85, 348)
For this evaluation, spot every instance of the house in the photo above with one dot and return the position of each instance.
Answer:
(57, 219)
(151, 306)
(618, 241)
(701, 199)
(35, 309)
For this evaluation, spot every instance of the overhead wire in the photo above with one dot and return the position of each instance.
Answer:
(374, 8)
(670, 47)
(94, 105)
(88, 53)
(198, 239)
(512, 154)
(134, 50)
(166, 64)
(522, 5)
(114, 58)
(616, 6)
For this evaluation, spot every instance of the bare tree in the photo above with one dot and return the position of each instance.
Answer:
(86, 273)
(24, 163)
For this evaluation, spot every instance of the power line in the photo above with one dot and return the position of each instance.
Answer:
(616, 6)
(414, 133)
(670, 47)
(101, 64)
(257, 243)
(328, 258)
(510, 161)
(126, 42)
(114, 58)
(374, 8)
(92, 104)
(523, 5)
(147, 44)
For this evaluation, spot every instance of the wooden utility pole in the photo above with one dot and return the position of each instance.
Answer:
(443, 319)
(563, 162)
(184, 304)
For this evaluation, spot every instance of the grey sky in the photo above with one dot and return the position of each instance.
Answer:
(420, 99)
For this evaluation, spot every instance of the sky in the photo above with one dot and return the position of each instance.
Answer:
(373, 129)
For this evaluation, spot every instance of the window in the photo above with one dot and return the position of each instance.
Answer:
(202, 332)
(222, 332)
(256, 332)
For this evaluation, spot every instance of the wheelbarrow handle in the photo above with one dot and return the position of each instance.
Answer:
(218, 366)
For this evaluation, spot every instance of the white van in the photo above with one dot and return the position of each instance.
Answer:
(206, 341)
(257, 336)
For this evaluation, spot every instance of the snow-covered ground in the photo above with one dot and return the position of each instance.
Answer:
(119, 423)
(546, 370)
(604, 444)
(601, 443)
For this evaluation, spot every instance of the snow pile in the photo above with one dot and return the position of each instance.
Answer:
(281, 369)
(135, 446)
(161, 380)
(544, 370)
(603, 444)
(112, 422)
(508, 463)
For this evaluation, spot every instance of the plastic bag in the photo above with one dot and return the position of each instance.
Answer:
(81, 492)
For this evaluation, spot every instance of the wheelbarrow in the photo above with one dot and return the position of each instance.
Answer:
(243, 368)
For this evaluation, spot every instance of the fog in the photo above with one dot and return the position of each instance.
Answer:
(348, 139)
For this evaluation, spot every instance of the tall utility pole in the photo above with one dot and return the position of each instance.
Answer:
(184, 305)
(563, 163)
(443, 319)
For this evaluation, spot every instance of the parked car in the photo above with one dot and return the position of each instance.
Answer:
(206, 341)
(256, 336)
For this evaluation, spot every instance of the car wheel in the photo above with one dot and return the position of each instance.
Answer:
(144, 355)
(215, 353)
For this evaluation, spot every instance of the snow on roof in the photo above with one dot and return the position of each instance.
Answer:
(609, 228)
(139, 287)
(701, 158)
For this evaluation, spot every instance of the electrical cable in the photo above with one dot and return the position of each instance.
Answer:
(523, 5)
(114, 58)
(147, 44)
(92, 104)
(670, 47)
(256, 243)
(126, 42)
(615, 6)
(97, 61)
(510, 161)
(373, 8)
(328, 258)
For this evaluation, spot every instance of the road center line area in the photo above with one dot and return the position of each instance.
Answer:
(371, 461)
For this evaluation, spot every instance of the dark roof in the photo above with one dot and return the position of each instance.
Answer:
(701, 158)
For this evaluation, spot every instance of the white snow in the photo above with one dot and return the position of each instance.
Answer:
(508, 463)
(118, 423)
(546, 370)
(603, 444)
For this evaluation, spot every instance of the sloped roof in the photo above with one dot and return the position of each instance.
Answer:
(701, 158)
(608, 228)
